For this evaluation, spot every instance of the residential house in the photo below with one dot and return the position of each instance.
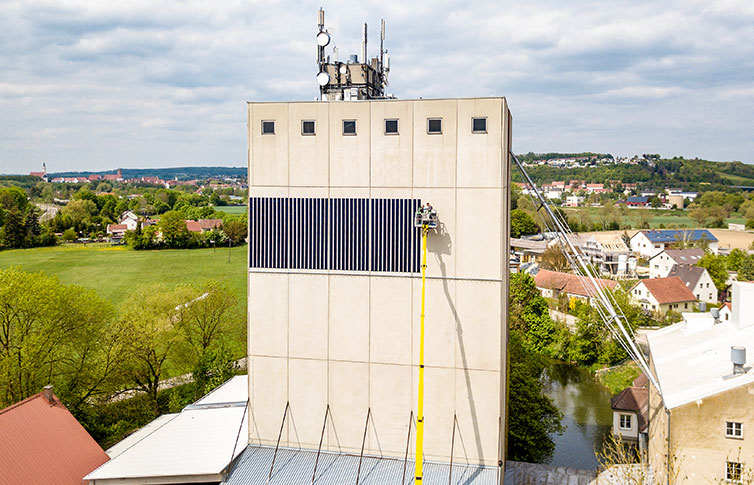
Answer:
(197, 445)
(661, 263)
(725, 312)
(193, 226)
(637, 201)
(573, 201)
(630, 412)
(130, 220)
(117, 231)
(701, 416)
(650, 242)
(596, 188)
(698, 281)
(663, 295)
(609, 253)
(210, 224)
(41, 442)
(526, 250)
(553, 284)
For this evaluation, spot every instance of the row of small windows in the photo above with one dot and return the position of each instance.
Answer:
(434, 126)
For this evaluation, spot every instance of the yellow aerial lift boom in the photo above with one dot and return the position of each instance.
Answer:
(425, 219)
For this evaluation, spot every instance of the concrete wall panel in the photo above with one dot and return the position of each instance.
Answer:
(479, 154)
(269, 153)
(268, 323)
(308, 154)
(349, 154)
(349, 318)
(390, 320)
(435, 154)
(307, 308)
(391, 154)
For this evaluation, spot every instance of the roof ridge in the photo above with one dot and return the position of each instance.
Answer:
(20, 403)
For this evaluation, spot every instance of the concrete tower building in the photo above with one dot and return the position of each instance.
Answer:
(335, 282)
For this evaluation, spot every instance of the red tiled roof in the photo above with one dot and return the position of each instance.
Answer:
(210, 223)
(41, 442)
(633, 399)
(193, 226)
(569, 283)
(668, 290)
(37, 174)
(117, 228)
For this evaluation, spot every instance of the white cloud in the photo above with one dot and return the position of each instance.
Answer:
(98, 84)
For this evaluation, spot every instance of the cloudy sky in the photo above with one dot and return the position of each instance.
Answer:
(94, 85)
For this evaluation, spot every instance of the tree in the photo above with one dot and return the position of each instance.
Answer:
(54, 334)
(70, 235)
(554, 259)
(12, 234)
(522, 223)
(746, 270)
(175, 234)
(147, 322)
(529, 314)
(655, 202)
(699, 215)
(207, 316)
(236, 230)
(716, 268)
(532, 416)
(80, 210)
(734, 260)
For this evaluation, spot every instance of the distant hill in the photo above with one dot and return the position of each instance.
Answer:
(181, 173)
(654, 174)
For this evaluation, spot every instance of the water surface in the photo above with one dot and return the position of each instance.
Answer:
(587, 416)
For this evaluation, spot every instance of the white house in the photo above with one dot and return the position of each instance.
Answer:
(651, 242)
(129, 219)
(698, 281)
(663, 262)
(663, 294)
(574, 201)
(630, 413)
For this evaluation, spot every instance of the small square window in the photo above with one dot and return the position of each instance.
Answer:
(479, 125)
(625, 421)
(307, 127)
(349, 127)
(733, 471)
(434, 125)
(268, 127)
(734, 429)
(391, 127)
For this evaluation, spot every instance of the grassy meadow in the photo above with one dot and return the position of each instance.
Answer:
(115, 271)
(231, 209)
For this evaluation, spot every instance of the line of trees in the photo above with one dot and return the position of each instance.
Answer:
(90, 351)
(19, 222)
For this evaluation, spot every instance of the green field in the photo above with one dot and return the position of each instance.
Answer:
(668, 218)
(114, 272)
(231, 209)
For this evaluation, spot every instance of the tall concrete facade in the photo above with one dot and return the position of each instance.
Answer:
(335, 281)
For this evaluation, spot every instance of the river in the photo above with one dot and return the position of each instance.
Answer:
(587, 416)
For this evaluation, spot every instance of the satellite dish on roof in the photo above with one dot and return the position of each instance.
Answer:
(323, 78)
(323, 38)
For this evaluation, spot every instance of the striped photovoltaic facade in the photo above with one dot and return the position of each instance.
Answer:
(354, 234)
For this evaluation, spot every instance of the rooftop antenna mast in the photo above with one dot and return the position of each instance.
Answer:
(357, 78)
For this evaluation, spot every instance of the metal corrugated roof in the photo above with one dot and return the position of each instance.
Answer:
(200, 441)
(41, 442)
(296, 466)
